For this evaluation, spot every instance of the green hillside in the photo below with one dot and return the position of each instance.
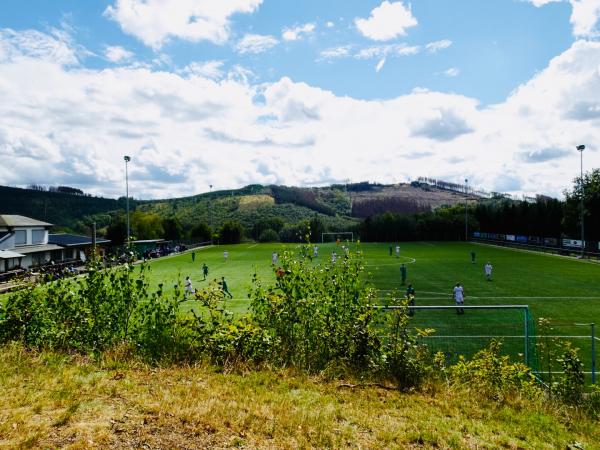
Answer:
(338, 206)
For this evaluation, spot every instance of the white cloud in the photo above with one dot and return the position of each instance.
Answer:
(380, 65)
(63, 124)
(208, 69)
(56, 47)
(336, 52)
(452, 72)
(387, 21)
(329, 24)
(385, 50)
(434, 47)
(298, 32)
(584, 17)
(117, 54)
(155, 21)
(255, 43)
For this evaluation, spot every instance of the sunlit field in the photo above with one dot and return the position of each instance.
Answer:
(554, 287)
(565, 290)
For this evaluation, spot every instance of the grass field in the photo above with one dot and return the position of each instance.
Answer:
(562, 289)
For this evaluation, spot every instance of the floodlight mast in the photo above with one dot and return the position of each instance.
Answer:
(127, 159)
(580, 149)
(466, 210)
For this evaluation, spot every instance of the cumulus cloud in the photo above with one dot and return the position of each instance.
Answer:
(208, 69)
(255, 43)
(298, 32)
(443, 125)
(387, 21)
(155, 21)
(63, 123)
(584, 16)
(543, 155)
(117, 54)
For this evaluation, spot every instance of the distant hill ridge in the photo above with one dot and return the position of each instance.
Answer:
(248, 204)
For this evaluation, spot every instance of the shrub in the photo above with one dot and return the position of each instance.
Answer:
(494, 375)
(269, 235)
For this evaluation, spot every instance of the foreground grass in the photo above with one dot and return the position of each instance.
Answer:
(52, 401)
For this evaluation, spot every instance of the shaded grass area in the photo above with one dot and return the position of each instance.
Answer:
(52, 401)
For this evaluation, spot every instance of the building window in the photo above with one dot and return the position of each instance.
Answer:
(21, 237)
(37, 236)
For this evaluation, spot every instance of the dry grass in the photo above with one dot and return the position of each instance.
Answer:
(249, 202)
(51, 401)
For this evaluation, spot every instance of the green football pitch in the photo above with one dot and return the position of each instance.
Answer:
(565, 290)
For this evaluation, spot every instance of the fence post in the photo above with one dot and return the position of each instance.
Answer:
(593, 326)
(526, 336)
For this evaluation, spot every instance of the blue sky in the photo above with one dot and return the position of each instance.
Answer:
(203, 92)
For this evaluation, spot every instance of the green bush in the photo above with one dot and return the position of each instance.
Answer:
(269, 235)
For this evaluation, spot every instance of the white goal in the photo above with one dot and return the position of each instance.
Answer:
(343, 236)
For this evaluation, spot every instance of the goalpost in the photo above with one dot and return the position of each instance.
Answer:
(343, 236)
(467, 333)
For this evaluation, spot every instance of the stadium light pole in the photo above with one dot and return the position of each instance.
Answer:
(127, 159)
(580, 149)
(466, 210)
(210, 213)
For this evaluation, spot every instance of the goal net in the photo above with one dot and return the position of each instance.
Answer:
(341, 236)
(465, 332)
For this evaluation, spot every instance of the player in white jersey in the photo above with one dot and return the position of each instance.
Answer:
(488, 271)
(459, 297)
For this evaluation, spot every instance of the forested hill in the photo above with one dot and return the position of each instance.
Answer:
(59, 208)
(336, 203)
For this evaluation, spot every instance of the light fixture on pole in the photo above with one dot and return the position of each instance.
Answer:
(127, 159)
(466, 210)
(580, 149)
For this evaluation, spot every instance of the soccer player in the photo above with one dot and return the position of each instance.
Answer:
(188, 288)
(315, 251)
(459, 297)
(193, 256)
(472, 257)
(403, 273)
(391, 250)
(225, 255)
(333, 257)
(397, 251)
(204, 270)
(274, 258)
(488, 271)
(224, 287)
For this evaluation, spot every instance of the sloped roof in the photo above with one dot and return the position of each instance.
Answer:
(73, 240)
(7, 254)
(26, 249)
(10, 220)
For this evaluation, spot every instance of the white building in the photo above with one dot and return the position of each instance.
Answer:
(24, 242)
